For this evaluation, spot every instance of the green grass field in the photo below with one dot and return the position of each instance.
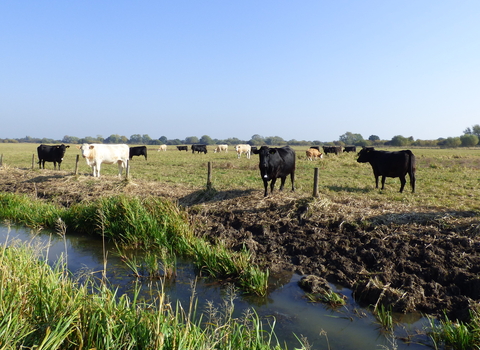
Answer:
(446, 178)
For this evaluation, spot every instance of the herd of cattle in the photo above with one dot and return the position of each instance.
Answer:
(274, 162)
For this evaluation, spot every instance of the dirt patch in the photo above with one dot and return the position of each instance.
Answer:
(425, 260)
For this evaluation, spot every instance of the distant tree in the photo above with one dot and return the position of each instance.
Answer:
(399, 141)
(206, 140)
(351, 139)
(135, 139)
(452, 142)
(275, 141)
(100, 138)
(469, 140)
(88, 139)
(123, 139)
(146, 139)
(191, 140)
(163, 139)
(256, 140)
(234, 141)
(474, 130)
(374, 138)
(174, 142)
(70, 139)
(114, 138)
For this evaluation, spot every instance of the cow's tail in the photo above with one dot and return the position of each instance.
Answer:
(411, 168)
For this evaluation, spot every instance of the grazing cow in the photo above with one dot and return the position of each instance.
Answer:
(53, 154)
(390, 164)
(313, 153)
(162, 148)
(332, 149)
(350, 149)
(96, 154)
(199, 148)
(247, 149)
(138, 151)
(221, 148)
(182, 148)
(276, 163)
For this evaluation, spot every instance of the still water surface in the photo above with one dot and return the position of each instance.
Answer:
(350, 327)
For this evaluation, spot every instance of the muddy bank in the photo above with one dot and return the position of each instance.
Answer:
(409, 258)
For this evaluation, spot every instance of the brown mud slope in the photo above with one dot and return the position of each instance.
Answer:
(409, 258)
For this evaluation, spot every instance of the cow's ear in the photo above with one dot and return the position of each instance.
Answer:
(255, 151)
(91, 147)
(67, 146)
(272, 150)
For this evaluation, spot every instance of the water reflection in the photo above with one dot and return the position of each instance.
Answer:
(350, 327)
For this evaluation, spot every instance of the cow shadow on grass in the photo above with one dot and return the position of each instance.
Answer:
(44, 178)
(212, 195)
(349, 189)
(446, 219)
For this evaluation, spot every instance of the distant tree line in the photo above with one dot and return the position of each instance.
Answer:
(470, 138)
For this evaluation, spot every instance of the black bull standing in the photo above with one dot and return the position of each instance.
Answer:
(276, 163)
(390, 164)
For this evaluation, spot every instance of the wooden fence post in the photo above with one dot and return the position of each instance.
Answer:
(315, 182)
(76, 164)
(33, 161)
(1, 160)
(209, 176)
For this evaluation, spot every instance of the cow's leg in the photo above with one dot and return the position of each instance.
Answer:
(265, 185)
(282, 182)
(292, 179)
(376, 181)
(383, 182)
(402, 182)
(120, 167)
(272, 184)
(412, 181)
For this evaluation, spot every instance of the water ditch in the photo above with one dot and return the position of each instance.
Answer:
(349, 327)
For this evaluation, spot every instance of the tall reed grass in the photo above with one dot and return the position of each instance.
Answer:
(41, 308)
(149, 223)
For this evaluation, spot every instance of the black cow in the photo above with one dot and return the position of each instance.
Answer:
(182, 148)
(51, 154)
(199, 148)
(276, 163)
(253, 149)
(390, 164)
(138, 151)
(350, 149)
(332, 149)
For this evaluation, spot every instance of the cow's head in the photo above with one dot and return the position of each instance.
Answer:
(265, 154)
(365, 155)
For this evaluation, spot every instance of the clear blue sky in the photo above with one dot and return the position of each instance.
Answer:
(304, 70)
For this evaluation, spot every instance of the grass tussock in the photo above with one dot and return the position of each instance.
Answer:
(41, 307)
(151, 224)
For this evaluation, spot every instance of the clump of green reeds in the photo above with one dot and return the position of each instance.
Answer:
(455, 335)
(41, 309)
(153, 224)
(329, 297)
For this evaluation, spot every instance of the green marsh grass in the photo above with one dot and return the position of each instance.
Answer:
(41, 309)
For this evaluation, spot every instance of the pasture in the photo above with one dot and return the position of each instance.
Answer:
(447, 179)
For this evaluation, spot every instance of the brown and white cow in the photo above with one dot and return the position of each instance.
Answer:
(313, 153)
(96, 154)
(247, 149)
(162, 148)
(221, 148)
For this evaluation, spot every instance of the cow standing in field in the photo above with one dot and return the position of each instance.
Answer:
(313, 153)
(247, 149)
(350, 149)
(162, 148)
(53, 154)
(221, 148)
(96, 154)
(390, 164)
(199, 148)
(182, 148)
(276, 163)
(138, 151)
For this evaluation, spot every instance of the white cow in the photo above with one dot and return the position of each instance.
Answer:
(247, 149)
(221, 148)
(96, 154)
(162, 148)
